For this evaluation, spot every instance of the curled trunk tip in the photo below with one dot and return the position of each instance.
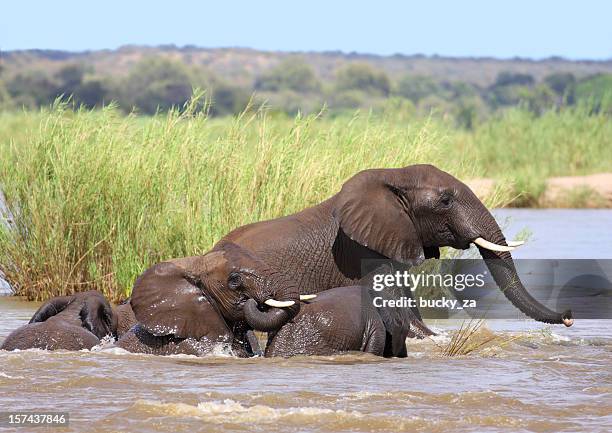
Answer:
(270, 320)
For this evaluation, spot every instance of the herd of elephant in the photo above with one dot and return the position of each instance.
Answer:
(302, 278)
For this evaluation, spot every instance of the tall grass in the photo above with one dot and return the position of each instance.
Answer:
(97, 197)
(523, 150)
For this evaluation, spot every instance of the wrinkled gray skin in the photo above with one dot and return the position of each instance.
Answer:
(337, 320)
(66, 322)
(194, 304)
(404, 214)
(124, 318)
(208, 330)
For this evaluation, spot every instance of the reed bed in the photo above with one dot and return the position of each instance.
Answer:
(95, 197)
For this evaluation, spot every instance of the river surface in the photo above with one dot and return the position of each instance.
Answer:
(533, 377)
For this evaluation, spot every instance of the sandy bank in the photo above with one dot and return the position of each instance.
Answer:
(591, 191)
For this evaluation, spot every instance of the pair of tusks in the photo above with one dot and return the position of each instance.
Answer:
(494, 247)
(285, 304)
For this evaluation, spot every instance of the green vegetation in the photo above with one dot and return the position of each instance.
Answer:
(289, 75)
(97, 196)
(524, 149)
(151, 80)
(597, 91)
(364, 78)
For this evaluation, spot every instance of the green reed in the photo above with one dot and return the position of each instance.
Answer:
(97, 197)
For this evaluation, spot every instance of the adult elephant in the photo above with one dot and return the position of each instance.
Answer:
(191, 305)
(337, 320)
(73, 322)
(404, 214)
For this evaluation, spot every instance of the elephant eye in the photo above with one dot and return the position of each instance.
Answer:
(446, 200)
(234, 281)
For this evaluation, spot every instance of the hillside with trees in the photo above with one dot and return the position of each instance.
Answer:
(148, 79)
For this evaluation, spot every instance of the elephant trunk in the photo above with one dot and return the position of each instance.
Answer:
(271, 319)
(276, 300)
(504, 273)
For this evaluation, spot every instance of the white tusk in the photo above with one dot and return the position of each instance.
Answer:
(279, 304)
(491, 246)
(515, 243)
(307, 297)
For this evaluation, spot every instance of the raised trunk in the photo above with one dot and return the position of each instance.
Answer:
(504, 273)
(271, 319)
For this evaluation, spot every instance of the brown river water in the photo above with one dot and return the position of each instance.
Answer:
(534, 378)
(549, 379)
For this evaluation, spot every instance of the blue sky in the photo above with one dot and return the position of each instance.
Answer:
(536, 29)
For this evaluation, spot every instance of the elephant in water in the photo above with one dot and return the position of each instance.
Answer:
(196, 327)
(346, 319)
(337, 320)
(403, 214)
(191, 305)
(180, 315)
(73, 322)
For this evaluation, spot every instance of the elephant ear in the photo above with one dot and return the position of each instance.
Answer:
(51, 308)
(166, 300)
(372, 212)
(96, 314)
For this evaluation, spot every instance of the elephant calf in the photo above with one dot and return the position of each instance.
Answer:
(72, 322)
(337, 320)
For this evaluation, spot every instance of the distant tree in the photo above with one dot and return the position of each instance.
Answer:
(35, 88)
(540, 99)
(69, 78)
(508, 95)
(363, 77)
(156, 84)
(5, 97)
(510, 88)
(291, 74)
(31, 89)
(513, 79)
(564, 85)
(469, 110)
(560, 82)
(417, 87)
(596, 91)
(460, 89)
(71, 81)
(227, 99)
(92, 93)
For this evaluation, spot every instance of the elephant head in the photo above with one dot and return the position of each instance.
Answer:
(73, 322)
(90, 309)
(406, 214)
(176, 296)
